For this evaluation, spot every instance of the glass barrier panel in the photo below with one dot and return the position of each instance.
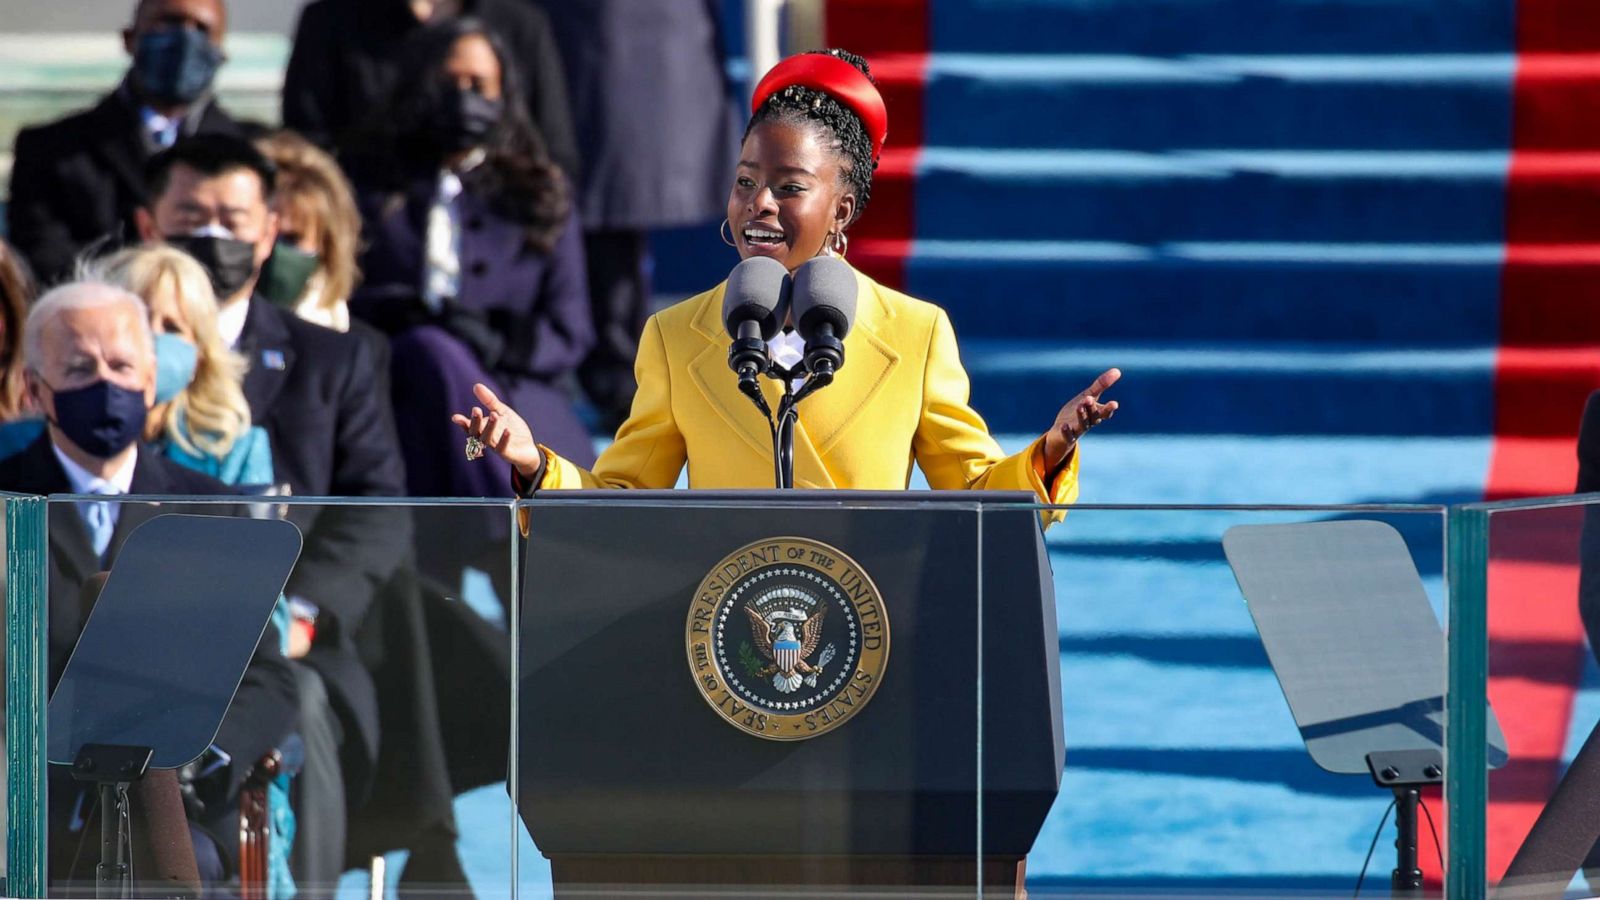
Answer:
(746, 694)
(1219, 677)
(22, 871)
(1525, 641)
(368, 734)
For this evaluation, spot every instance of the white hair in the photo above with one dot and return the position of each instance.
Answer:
(90, 293)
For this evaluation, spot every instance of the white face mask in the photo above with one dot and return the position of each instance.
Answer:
(212, 229)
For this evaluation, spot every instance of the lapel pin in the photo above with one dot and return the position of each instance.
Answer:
(273, 359)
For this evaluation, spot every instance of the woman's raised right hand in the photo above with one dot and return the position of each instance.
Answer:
(501, 430)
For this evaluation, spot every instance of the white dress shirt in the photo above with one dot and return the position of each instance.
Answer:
(787, 349)
(85, 482)
(441, 261)
(230, 322)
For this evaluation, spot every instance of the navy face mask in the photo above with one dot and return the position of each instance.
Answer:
(101, 418)
(175, 65)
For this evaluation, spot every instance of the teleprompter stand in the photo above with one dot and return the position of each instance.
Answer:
(160, 658)
(1359, 654)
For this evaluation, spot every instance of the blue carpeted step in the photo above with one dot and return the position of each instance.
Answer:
(1143, 468)
(1406, 294)
(1241, 389)
(967, 194)
(1399, 102)
(1167, 27)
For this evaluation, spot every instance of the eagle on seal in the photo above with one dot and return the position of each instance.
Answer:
(777, 641)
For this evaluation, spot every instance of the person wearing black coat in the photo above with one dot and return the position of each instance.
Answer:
(345, 59)
(318, 395)
(91, 370)
(77, 181)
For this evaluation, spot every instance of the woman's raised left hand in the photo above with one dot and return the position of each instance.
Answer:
(1081, 413)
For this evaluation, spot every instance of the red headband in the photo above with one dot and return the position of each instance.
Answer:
(836, 78)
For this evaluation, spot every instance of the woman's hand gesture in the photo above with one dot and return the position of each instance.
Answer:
(1081, 413)
(501, 430)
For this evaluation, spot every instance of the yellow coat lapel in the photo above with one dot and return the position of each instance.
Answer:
(709, 370)
(868, 363)
(826, 415)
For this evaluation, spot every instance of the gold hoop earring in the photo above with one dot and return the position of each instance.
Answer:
(841, 243)
(725, 231)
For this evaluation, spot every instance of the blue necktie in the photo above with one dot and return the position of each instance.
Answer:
(97, 516)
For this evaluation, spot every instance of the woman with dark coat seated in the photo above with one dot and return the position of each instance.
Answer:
(474, 256)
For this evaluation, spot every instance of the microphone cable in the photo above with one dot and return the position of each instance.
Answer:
(1373, 847)
(1437, 847)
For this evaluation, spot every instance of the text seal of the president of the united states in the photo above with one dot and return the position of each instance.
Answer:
(787, 638)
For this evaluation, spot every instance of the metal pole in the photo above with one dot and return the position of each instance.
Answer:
(1406, 880)
(111, 875)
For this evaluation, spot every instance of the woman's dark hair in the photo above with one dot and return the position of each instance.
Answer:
(801, 105)
(391, 149)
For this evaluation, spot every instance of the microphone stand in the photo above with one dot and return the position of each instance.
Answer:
(783, 424)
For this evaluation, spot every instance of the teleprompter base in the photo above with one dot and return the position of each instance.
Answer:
(785, 876)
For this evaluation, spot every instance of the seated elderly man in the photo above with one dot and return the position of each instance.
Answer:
(90, 367)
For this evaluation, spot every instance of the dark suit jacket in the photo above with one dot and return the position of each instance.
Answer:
(79, 179)
(264, 708)
(317, 394)
(345, 59)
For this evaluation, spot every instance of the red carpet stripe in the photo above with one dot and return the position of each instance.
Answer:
(893, 35)
(1548, 362)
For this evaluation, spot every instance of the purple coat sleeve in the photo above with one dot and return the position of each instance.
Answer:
(562, 328)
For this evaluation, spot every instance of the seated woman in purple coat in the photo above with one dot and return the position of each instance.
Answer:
(474, 257)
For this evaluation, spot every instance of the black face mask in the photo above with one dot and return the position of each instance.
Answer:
(101, 418)
(230, 262)
(175, 65)
(463, 119)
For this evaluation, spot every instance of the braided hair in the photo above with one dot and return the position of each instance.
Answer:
(800, 105)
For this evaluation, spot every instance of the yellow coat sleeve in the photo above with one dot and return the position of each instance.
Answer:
(649, 451)
(953, 446)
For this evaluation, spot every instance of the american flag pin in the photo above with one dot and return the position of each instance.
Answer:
(273, 359)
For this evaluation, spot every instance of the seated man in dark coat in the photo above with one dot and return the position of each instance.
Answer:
(91, 370)
(78, 180)
(346, 57)
(315, 392)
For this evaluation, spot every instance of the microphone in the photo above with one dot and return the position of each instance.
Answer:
(824, 309)
(757, 292)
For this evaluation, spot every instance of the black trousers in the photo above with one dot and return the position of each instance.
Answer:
(619, 302)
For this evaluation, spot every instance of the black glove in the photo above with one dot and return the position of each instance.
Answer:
(391, 308)
(474, 330)
(204, 782)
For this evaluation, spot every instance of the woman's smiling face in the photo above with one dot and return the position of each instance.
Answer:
(788, 194)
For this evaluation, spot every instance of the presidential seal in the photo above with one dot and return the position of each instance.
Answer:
(787, 638)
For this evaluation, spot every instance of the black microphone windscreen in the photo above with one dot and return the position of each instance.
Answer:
(824, 291)
(757, 289)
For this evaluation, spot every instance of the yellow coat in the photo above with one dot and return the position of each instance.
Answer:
(901, 396)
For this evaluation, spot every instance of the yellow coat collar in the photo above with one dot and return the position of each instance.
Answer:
(826, 416)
